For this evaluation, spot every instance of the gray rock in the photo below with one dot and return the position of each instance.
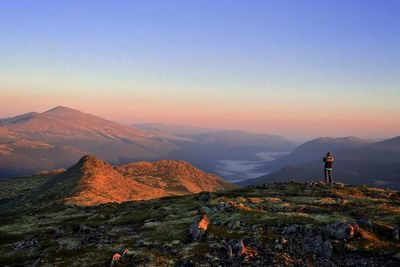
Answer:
(199, 227)
(86, 229)
(341, 230)
(291, 229)
(27, 244)
(204, 197)
(69, 244)
(205, 210)
(234, 225)
(365, 222)
(396, 234)
(222, 206)
(327, 249)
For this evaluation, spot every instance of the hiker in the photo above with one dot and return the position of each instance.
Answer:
(328, 159)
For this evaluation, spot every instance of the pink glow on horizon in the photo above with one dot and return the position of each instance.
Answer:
(286, 119)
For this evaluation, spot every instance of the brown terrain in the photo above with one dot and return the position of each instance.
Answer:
(59, 137)
(92, 181)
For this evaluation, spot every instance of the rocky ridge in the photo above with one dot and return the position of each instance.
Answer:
(92, 182)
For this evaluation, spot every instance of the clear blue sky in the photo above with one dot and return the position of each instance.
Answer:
(270, 66)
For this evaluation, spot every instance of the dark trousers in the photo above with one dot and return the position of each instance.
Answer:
(328, 176)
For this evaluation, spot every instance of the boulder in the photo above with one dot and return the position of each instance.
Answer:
(204, 197)
(205, 210)
(119, 259)
(396, 234)
(247, 250)
(27, 244)
(327, 248)
(199, 227)
(234, 225)
(341, 230)
(291, 229)
(221, 206)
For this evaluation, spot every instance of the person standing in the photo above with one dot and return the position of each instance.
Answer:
(328, 159)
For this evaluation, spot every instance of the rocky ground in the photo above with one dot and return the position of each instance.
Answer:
(278, 224)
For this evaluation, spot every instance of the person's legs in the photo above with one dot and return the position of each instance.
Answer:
(326, 175)
(330, 177)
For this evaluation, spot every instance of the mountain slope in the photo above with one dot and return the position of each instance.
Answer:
(210, 149)
(92, 181)
(310, 151)
(59, 137)
(375, 164)
(317, 148)
(174, 177)
(279, 224)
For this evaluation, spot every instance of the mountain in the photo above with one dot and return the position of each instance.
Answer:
(278, 224)
(317, 148)
(92, 181)
(229, 153)
(309, 151)
(175, 129)
(223, 138)
(33, 142)
(376, 164)
(59, 137)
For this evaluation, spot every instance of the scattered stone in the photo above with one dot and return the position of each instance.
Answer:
(85, 229)
(397, 256)
(115, 258)
(216, 222)
(341, 230)
(230, 252)
(364, 222)
(204, 197)
(247, 251)
(291, 229)
(27, 244)
(205, 210)
(151, 224)
(69, 244)
(327, 249)
(221, 206)
(175, 242)
(199, 227)
(396, 234)
(123, 258)
(234, 225)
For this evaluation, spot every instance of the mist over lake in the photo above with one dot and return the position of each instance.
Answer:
(236, 170)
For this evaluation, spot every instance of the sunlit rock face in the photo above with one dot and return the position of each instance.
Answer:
(92, 182)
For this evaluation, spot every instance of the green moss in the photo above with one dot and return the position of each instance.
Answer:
(223, 231)
(136, 217)
(167, 232)
(198, 250)
(7, 238)
(19, 259)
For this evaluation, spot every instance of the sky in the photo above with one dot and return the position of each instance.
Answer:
(297, 68)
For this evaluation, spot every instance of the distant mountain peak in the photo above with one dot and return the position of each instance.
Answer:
(59, 109)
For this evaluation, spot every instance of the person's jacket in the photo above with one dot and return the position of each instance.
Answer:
(328, 162)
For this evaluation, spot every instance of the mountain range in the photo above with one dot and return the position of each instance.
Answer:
(357, 161)
(59, 137)
(35, 142)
